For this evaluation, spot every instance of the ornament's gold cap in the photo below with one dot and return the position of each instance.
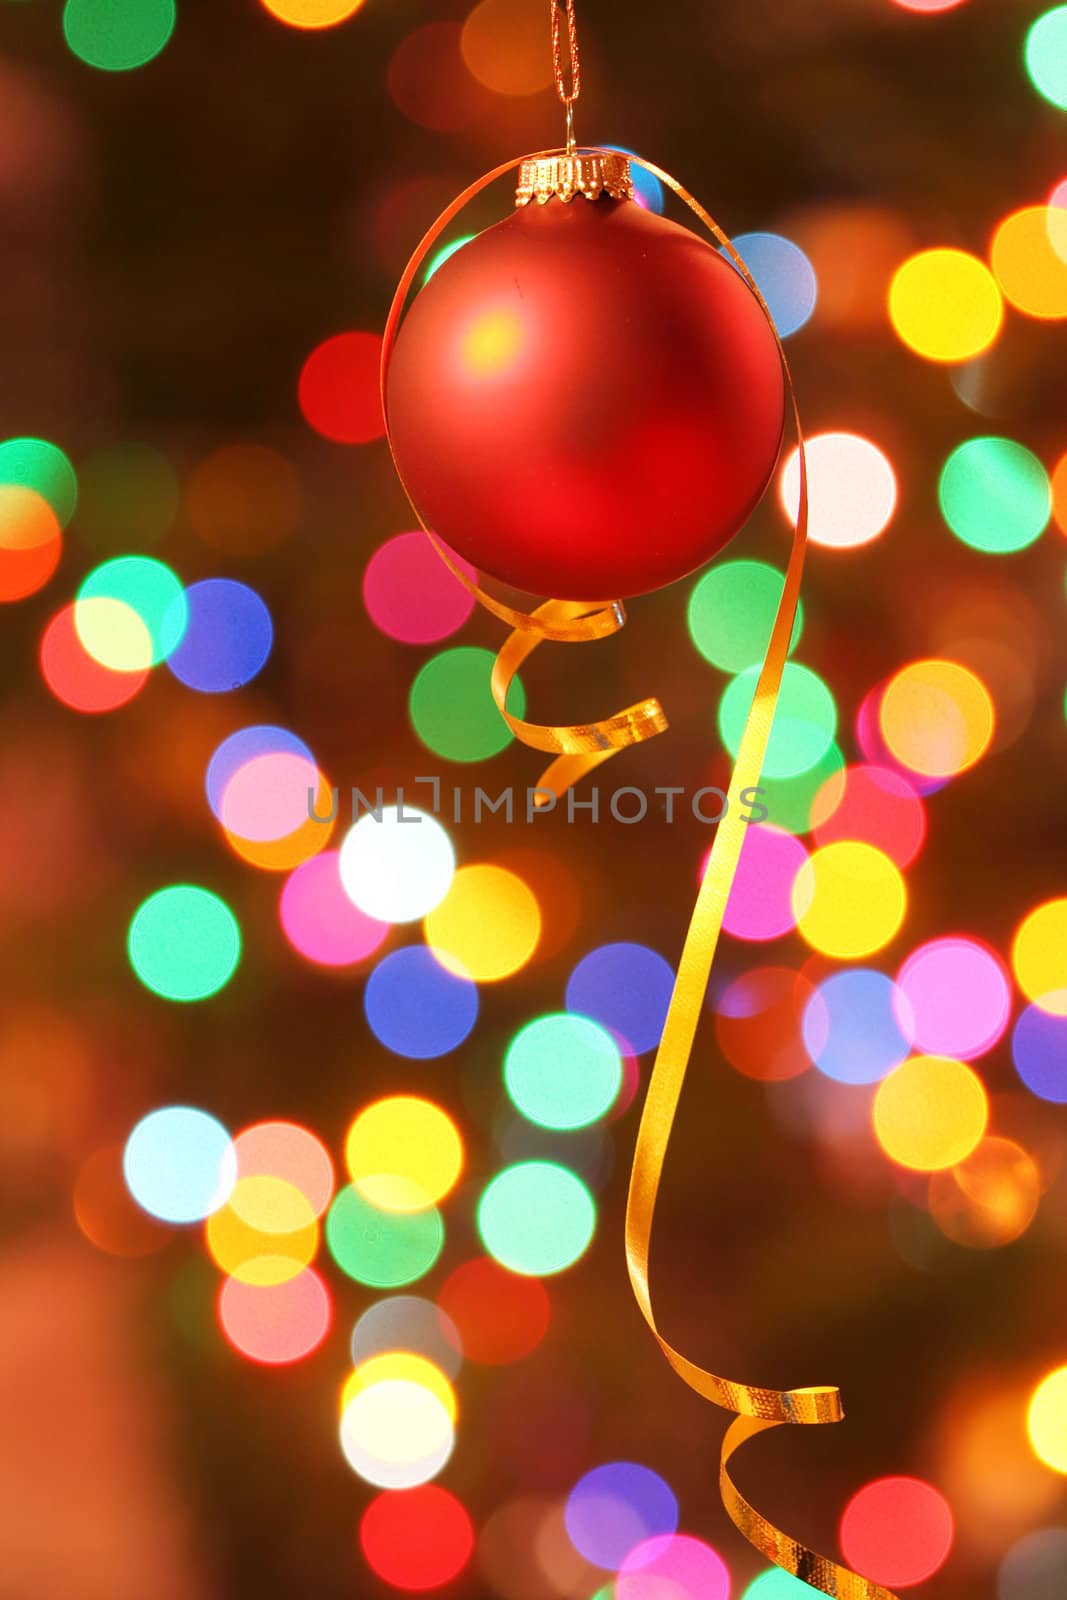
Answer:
(591, 173)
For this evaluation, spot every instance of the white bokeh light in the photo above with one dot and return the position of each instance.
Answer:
(396, 1434)
(398, 868)
(852, 490)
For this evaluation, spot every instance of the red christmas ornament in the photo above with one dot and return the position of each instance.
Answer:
(586, 400)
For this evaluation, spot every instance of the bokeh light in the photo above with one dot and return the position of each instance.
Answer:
(37, 464)
(265, 1234)
(106, 1212)
(536, 1218)
(1035, 1568)
(179, 1164)
(488, 925)
(184, 943)
(930, 1113)
(409, 1323)
(415, 1007)
(784, 276)
(731, 612)
(288, 1151)
(852, 490)
(615, 1507)
(676, 1565)
(31, 541)
(117, 38)
(312, 13)
(1039, 956)
(1046, 55)
(851, 1026)
(417, 1539)
(338, 388)
(397, 863)
(499, 1316)
(777, 1584)
(409, 593)
(897, 1531)
(995, 495)
(953, 998)
(849, 900)
(227, 638)
(75, 678)
(405, 1366)
(873, 804)
(403, 1153)
(1029, 256)
(396, 1434)
(243, 499)
(1046, 1420)
(320, 921)
(128, 496)
(946, 305)
(757, 1023)
(804, 723)
(936, 717)
(131, 612)
(989, 1199)
(627, 989)
(503, 44)
(278, 1324)
(452, 708)
(1039, 1050)
(760, 906)
(382, 1249)
(563, 1071)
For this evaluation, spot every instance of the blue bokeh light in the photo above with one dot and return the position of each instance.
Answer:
(415, 1007)
(615, 1507)
(243, 746)
(227, 639)
(1039, 1050)
(627, 989)
(850, 1027)
(785, 276)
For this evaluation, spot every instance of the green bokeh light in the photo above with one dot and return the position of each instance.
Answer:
(452, 708)
(184, 943)
(778, 1585)
(804, 723)
(536, 1218)
(789, 800)
(563, 1071)
(382, 1249)
(117, 35)
(1046, 56)
(731, 612)
(995, 495)
(137, 585)
(443, 254)
(36, 464)
(129, 496)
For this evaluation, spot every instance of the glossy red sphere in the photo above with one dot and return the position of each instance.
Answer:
(585, 401)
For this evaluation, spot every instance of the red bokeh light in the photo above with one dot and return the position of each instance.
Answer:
(416, 1538)
(338, 389)
(500, 1317)
(898, 1531)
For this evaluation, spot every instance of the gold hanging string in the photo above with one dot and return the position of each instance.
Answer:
(579, 750)
(567, 95)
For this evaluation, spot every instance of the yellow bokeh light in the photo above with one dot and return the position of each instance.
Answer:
(1039, 957)
(1029, 257)
(396, 1433)
(930, 1113)
(265, 1234)
(1046, 1420)
(937, 718)
(491, 343)
(311, 13)
(503, 45)
(945, 305)
(404, 1154)
(113, 633)
(849, 899)
(487, 926)
(405, 1366)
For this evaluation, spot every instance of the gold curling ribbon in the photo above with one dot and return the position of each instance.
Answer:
(579, 749)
